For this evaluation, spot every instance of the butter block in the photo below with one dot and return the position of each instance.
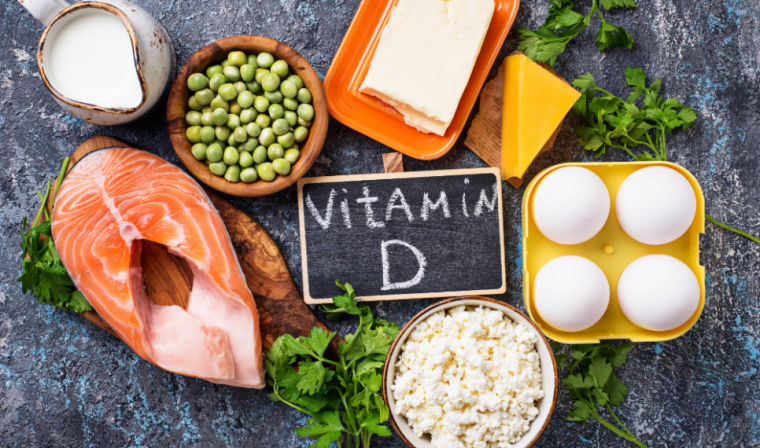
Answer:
(425, 57)
(536, 101)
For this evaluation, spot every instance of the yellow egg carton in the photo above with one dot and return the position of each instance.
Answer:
(612, 249)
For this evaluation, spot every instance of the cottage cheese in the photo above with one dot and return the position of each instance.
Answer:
(470, 378)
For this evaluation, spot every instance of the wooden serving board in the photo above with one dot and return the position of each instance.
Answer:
(168, 278)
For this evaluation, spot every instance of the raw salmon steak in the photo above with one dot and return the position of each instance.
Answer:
(109, 202)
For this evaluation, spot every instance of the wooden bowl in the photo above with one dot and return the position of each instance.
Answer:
(214, 53)
(550, 382)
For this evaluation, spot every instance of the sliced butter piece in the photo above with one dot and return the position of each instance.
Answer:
(536, 101)
(425, 57)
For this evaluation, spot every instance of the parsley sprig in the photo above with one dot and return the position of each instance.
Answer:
(42, 271)
(622, 124)
(593, 385)
(342, 399)
(614, 122)
(564, 24)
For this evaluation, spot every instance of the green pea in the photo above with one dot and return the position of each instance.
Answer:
(218, 168)
(233, 121)
(265, 59)
(193, 118)
(216, 81)
(236, 58)
(206, 119)
(232, 174)
(292, 155)
(227, 92)
(197, 81)
(260, 154)
(280, 126)
(304, 96)
(253, 86)
(214, 152)
(291, 118)
(261, 104)
(280, 68)
(199, 151)
(267, 137)
(246, 159)
(253, 130)
(295, 79)
(303, 122)
(263, 121)
(219, 103)
(232, 142)
(235, 107)
(270, 82)
(281, 166)
(240, 134)
(204, 97)
(207, 134)
(250, 145)
(193, 134)
(248, 115)
(266, 172)
(240, 86)
(214, 70)
(246, 72)
(306, 112)
(259, 74)
(286, 140)
(288, 89)
(301, 133)
(249, 175)
(275, 111)
(225, 63)
(222, 133)
(251, 60)
(231, 156)
(275, 151)
(219, 117)
(290, 103)
(245, 99)
(273, 97)
(193, 104)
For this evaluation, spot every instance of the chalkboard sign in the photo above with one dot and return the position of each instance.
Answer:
(403, 235)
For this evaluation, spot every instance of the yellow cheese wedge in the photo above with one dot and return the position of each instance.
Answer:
(536, 101)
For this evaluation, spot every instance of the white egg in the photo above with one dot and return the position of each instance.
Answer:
(658, 292)
(656, 205)
(571, 293)
(571, 205)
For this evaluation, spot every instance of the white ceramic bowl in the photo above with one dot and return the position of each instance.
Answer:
(548, 370)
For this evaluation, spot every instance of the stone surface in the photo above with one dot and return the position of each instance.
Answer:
(64, 382)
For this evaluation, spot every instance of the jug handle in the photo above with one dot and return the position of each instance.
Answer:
(44, 10)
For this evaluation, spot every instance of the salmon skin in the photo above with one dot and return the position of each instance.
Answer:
(109, 202)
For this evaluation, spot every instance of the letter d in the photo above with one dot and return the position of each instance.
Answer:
(387, 285)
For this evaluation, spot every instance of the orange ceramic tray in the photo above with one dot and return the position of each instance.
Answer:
(377, 120)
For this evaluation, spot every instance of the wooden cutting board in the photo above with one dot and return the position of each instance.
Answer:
(168, 278)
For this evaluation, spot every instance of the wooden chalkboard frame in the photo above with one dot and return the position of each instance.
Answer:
(381, 176)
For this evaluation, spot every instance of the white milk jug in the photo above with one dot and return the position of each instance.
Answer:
(106, 62)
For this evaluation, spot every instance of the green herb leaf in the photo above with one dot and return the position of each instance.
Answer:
(42, 272)
(563, 24)
(319, 340)
(323, 388)
(312, 376)
(616, 391)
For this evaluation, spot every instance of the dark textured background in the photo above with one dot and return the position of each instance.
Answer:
(65, 382)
